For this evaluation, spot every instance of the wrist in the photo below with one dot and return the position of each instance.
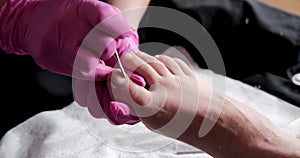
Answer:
(133, 10)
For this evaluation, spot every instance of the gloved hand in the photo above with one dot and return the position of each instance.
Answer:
(54, 33)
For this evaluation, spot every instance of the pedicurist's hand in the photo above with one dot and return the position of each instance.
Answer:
(54, 33)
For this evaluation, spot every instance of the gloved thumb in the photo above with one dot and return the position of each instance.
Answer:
(124, 90)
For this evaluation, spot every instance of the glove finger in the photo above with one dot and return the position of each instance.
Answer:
(122, 113)
(88, 67)
(106, 18)
(116, 113)
(104, 46)
(85, 95)
(128, 42)
(102, 105)
(100, 43)
(109, 20)
(137, 79)
(97, 11)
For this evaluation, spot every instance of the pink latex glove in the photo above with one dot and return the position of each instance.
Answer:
(54, 33)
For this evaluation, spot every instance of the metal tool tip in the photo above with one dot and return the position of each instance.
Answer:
(116, 54)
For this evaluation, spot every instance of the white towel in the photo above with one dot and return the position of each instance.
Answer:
(72, 132)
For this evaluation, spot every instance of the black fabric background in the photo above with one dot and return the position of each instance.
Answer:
(22, 95)
(258, 52)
